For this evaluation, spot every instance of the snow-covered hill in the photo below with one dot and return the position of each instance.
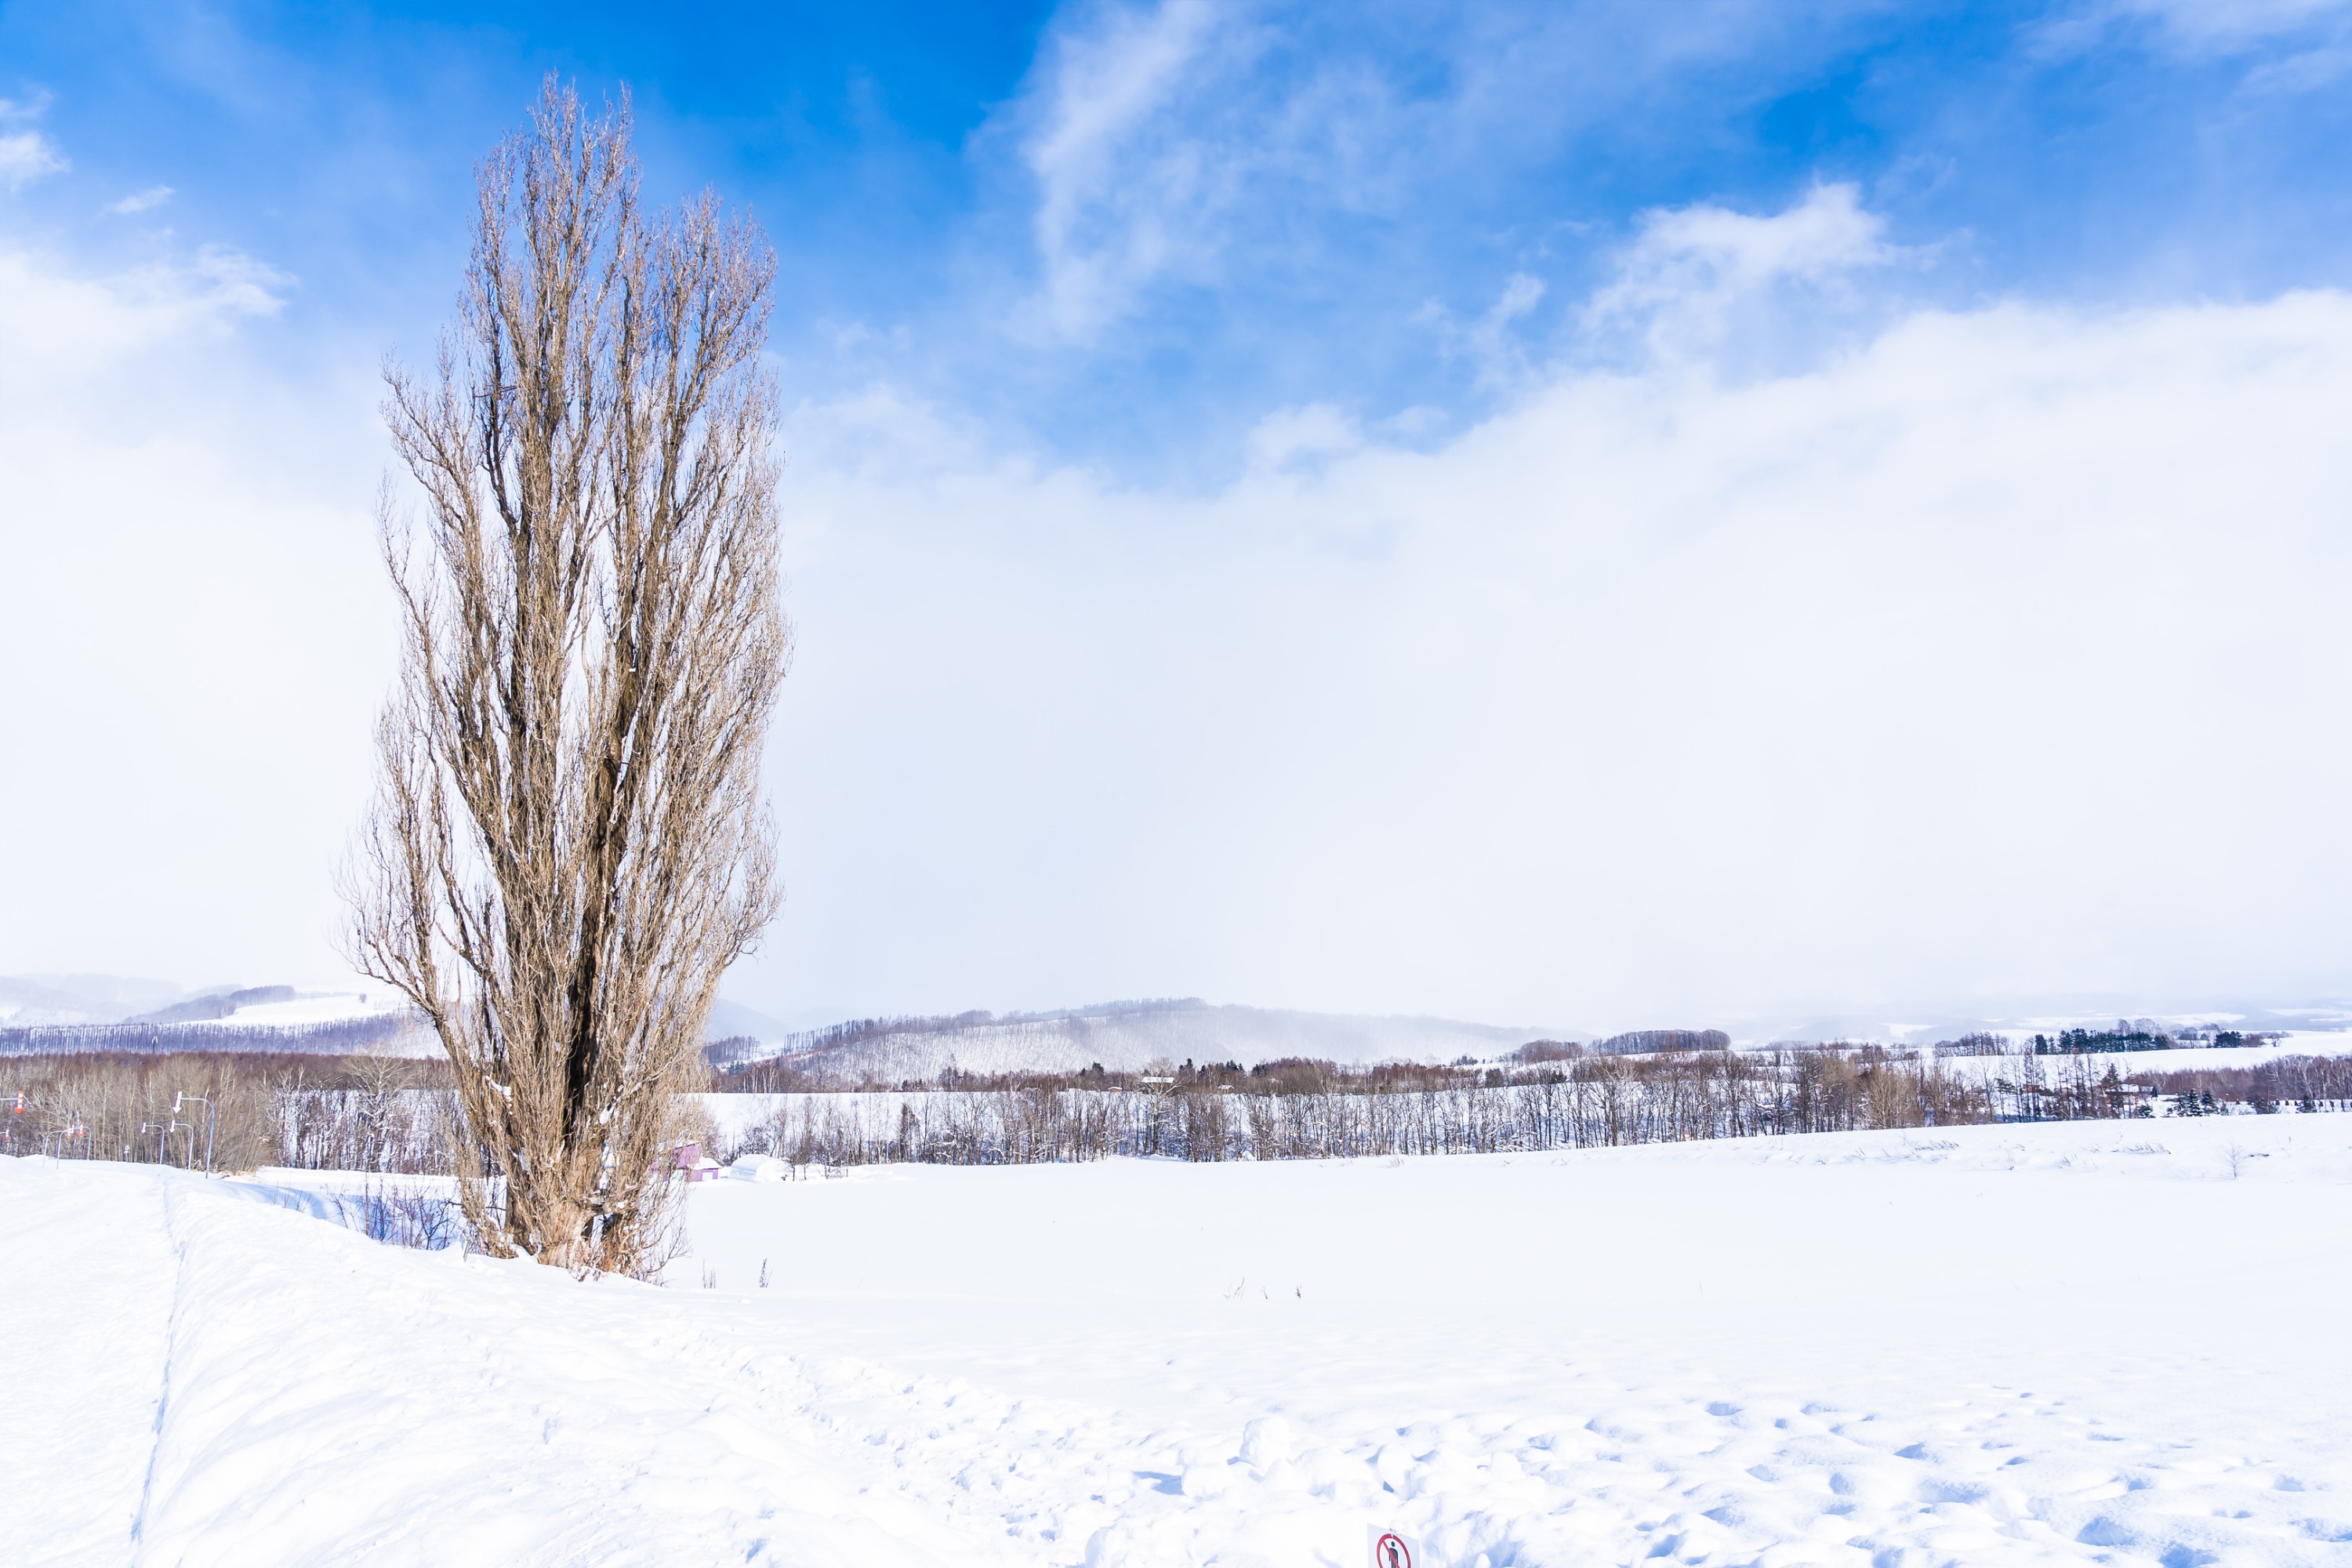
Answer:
(287, 1008)
(2090, 1342)
(1125, 1037)
(42, 1001)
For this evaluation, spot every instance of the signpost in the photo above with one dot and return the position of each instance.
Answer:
(1392, 1550)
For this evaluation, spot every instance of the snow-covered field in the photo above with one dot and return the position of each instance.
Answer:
(2086, 1342)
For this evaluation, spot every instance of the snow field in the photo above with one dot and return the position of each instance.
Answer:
(1998, 1344)
(2094, 1342)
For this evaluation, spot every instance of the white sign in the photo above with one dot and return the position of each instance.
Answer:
(1392, 1550)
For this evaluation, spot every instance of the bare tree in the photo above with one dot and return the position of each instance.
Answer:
(568, 846)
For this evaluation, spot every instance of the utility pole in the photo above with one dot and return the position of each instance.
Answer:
(212, 1120)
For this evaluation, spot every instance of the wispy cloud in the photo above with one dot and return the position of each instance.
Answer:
(1120, 200)
(1693, 276)
(228, 283)
(2287, 45)
(59, 327)
(141, 201)
(26, 156)
(25, 153)
(1393, 182)
(2228, 25)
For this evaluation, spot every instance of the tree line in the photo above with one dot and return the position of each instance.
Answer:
(1314, 1109)
(377, 1113)
(339, 1036)
(398, 1116)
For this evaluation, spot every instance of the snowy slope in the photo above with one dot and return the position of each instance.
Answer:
(196, 1377)
(2096, 1342)
(1126, 1037)
(310, 1008)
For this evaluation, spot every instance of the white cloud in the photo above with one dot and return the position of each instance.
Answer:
(60, 327)
(1289, 436)
(191, 618)
(25, 153)
(2002, 656)
(1181, 144)
(26, 156)
(1119, 199)
(141, 201)
(1826, 235)
(1692, 273)
(228, 281)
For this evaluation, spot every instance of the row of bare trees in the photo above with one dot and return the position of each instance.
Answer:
(341, 1036)
(395, 1116)
(1316, 1110)
(2298, 1083)
(244, 1109)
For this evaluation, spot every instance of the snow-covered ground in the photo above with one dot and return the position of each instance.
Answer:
(2086, 1342)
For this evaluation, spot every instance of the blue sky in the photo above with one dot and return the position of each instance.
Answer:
(1309, 203)
(1581, 515)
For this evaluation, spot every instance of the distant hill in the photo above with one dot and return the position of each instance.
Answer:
(734, 1020)
(1120, 1036)
(217, 1004)
(35, 999)
(109, 1012)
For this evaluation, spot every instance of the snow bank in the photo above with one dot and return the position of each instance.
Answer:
(2107, 1342)
(197, 1375)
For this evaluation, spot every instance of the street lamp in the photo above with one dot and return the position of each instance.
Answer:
(161, 1133)
(212, 1120)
